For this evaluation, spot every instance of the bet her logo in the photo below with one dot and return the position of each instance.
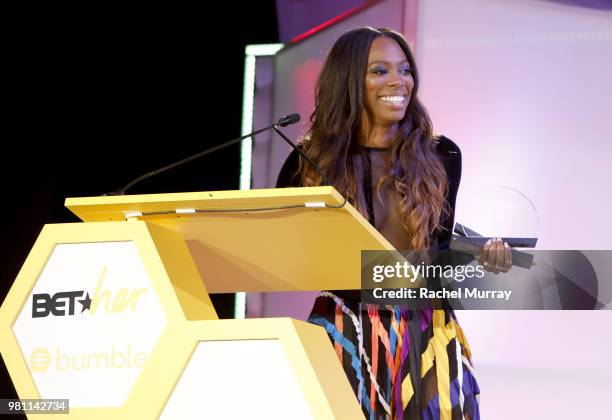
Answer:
(64, 303)
(40, 359)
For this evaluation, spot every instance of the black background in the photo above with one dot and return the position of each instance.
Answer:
(95, 97)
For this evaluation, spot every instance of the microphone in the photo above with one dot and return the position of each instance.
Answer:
(282, 122)
(288, 120)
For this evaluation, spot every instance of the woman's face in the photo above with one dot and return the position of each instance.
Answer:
(388, 83)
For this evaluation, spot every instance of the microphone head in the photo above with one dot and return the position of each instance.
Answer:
(288, 119)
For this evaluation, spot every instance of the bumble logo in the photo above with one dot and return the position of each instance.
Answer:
(64, 303)
(40, 359)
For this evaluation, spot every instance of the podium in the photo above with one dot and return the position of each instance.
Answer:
(113, 313)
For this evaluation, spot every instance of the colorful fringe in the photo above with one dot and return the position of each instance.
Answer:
(377, 347)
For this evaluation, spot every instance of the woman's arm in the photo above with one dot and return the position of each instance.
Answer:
(288, 175)
(450, 154)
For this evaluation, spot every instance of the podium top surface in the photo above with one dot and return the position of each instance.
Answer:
(117, 208)
(255, 240)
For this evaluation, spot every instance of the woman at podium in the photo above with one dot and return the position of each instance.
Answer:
(373, 138)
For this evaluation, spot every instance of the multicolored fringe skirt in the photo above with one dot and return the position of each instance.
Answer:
(402, 364)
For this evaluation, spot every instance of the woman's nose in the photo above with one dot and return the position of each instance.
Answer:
(395, 79)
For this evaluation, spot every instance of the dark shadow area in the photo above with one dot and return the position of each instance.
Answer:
(98, 97)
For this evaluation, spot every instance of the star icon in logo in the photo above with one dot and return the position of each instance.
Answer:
(86, 302)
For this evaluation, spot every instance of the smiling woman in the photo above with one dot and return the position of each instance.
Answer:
(374, 140)
(388, 86)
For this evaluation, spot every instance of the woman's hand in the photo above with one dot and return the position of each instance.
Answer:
(496, 256)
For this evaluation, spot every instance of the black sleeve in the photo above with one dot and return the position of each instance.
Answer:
(288, 175)
(450, 154)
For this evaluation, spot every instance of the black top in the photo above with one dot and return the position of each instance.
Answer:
(382, 211)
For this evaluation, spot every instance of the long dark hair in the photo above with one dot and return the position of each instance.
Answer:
(417, 172)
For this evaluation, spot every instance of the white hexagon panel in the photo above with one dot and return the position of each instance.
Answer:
(90, 323)
(254, 372)
(276, 368)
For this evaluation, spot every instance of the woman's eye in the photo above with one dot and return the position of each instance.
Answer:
(405, 70)
(380, 70)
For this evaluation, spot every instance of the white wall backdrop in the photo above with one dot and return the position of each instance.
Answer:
(525, 88)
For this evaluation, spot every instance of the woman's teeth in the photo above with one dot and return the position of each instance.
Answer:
(394, 100)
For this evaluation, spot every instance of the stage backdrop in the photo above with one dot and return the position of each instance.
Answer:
(524, 88)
